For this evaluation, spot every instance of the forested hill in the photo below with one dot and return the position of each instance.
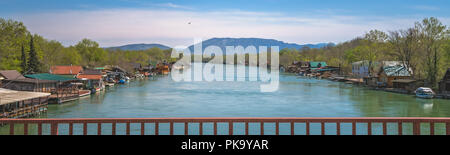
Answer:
(245, 42)
(138, 47)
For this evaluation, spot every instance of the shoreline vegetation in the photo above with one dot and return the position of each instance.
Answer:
(424, 49)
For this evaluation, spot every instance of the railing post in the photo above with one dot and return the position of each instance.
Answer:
(384, 128)
(431, 128)
(11, 128)
(447, 128)
(54, 128)
(369, 128)
(416, 127)
(186, 128)
(322, 128)
(400, 128)
(246, 128)
(307, 128)
(99, 128)
(230, 128)
(262, 128)
(292, 128)
(200, 127)
(171, 128)
(39, 128)
(70, 128)
(113, 129)
(25, 128)
(277, 128)
(128, 128)
(338, 128)
(85, 128)
(157, 128)
(215, 128)
(353, 128)
(142, 128)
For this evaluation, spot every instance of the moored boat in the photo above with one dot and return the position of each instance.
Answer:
(424, 92)
(84, 93)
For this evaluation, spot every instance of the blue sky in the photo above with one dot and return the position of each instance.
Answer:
(116, 22)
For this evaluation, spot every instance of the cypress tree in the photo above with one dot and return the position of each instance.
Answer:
(23, 64)
(33, 62)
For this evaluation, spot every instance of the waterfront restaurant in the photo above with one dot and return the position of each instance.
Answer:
(390, 73)
(19, 104)
(61, 88)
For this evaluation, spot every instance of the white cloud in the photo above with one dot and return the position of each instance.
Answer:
(124, 26)
(171, 5)
(425, 8)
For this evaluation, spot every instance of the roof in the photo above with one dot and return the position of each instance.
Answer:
(92, 72)
(327, 69)
(65, 70)
(316, 64)
(11, 74)
(89, 77)
(29, 80)
(11, 96)
(404, 81)
(47, 76)
(135, 65)
(398, 70)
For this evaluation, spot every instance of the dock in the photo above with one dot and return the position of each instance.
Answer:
(22, 104)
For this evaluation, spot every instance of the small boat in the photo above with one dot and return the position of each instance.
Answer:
(84, 93)
(424, 92)
(109, 84)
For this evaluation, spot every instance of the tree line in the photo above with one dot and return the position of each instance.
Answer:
(31, 53)
(423, 48)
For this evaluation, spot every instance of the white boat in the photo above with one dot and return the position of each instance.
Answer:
(424, 92)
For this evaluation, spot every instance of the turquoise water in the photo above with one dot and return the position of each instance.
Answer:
(296, 97)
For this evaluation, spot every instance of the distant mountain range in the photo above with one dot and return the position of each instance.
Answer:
(245, 42)
(138, 47)
(223, 42)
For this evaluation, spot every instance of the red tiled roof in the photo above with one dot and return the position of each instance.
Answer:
(89, 77)
(66, 70)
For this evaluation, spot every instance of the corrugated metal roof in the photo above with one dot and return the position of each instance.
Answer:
(92, 72)
(11, 96)
(398, 70)
(316, 64)
(47, 76)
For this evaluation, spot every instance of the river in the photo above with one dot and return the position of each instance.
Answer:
(296, 97)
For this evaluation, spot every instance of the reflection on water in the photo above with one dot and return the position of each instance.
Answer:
(296, 97)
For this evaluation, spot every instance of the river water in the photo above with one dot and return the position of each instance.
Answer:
(296, 97)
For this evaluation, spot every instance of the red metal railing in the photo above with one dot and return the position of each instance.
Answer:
(416, 123)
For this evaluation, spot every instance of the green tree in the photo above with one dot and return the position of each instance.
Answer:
(91, 53)
(432, 37)
(33, 62)
(24, 61)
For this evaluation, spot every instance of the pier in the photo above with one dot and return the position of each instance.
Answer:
(22, 104)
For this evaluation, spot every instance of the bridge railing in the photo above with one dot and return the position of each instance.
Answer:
(417, 124)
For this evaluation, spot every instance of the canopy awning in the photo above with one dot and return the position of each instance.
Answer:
(8, 96)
